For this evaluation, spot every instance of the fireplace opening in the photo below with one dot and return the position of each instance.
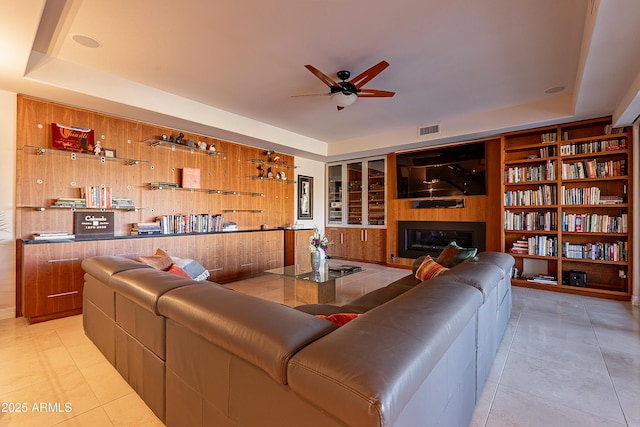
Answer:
(418, 238)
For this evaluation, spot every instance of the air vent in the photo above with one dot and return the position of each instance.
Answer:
(427, 130)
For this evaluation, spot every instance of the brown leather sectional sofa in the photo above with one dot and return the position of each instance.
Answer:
(202, 355)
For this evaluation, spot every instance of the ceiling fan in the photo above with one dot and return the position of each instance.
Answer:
(345, 93)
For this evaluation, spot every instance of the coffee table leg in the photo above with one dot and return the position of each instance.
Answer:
(308, 292)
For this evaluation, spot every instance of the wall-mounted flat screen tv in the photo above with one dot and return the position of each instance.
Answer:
(456, 170)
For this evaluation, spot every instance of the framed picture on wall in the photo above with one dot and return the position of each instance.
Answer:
(305, 197)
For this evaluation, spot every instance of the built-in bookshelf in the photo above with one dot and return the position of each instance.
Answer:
(567, 207)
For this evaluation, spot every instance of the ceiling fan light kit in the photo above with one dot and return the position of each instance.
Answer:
(345, 93)
(342, 99)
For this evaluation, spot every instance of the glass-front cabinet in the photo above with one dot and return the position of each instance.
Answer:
(356, 195)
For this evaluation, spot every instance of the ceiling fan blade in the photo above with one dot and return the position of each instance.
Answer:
(319, 74)
(366, 76)
(375, 93)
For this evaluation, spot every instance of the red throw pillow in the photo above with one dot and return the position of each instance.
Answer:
(339, 319)
(429, 269)
(178, 271)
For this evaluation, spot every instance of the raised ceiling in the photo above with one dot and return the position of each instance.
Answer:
(229, 69)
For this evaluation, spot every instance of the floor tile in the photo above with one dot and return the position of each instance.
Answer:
(516, 408)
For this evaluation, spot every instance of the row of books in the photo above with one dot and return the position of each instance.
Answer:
(536, 245)
(542, 172)
(594, 169)
(82, 202)
(192, 223)
(145, 228)
(593, 146)
(530, 221)
(594, 223)
(70, 202)
(548, 151)
(543, 278)
(587, 196)
(97, 197)
(549, 137)
(543, 195)
(596, 251)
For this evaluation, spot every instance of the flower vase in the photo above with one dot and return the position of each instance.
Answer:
(315, 260)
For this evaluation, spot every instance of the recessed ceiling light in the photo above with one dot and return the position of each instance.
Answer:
(554, 89)
(86, 41)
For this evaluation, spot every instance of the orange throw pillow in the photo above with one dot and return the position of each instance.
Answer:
(160, 261)
(429, 269)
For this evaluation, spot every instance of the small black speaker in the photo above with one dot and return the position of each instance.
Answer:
(577, 278)
(438, 203)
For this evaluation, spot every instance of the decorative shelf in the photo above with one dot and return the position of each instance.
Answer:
(41, 151)
(266, 178)
(77, 208)
(173, 146)
(154, 186)
(254, 211)
(276, 165)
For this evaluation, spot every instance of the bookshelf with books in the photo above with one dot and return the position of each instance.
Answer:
(567, 207)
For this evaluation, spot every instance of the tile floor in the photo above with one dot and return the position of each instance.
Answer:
(565, 361)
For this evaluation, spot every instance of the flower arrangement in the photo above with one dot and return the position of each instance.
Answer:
(318, 241)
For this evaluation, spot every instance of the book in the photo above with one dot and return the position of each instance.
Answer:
(190, 178)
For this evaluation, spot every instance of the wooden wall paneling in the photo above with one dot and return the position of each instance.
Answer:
(182, 246)
(127, 248)
(34, 127)
(477, 208)
(210, 249)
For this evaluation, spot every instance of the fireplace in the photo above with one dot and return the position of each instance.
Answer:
(417, 238)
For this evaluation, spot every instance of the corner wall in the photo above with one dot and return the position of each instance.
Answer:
(8, 125)
(314, 169)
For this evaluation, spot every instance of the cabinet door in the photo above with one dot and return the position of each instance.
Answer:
(354, 193)
(338, 247)
(52, 278)
(376, 212)
(374, 245)
(334, 193)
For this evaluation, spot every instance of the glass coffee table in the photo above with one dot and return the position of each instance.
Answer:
(316, 287)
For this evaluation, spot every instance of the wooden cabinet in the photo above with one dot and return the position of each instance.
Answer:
(567, 207)
(356, 192)
(51, 278)
(364, 244)
(296, 248)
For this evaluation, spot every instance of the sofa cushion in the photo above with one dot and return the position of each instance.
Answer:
(263, 333)
(429, 269)
(146, 286)
(482, 276)
(453, 255)
(160, 260)
(104, 266)
(373, 299)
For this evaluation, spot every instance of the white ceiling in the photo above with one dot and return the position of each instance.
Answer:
(228, 69)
